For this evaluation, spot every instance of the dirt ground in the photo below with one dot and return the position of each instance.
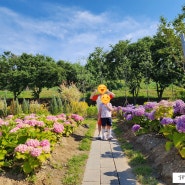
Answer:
(52, 172)
(151, 145)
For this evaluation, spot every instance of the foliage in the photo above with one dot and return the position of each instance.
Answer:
(27, 141)
(164, 117)
(54, 106)
(167, 58)
(15, 108)
(69, 93)
(59, 104)
(137, 160)
(96, 65)
(3, 108)
(79, 108)
(25, 106)
(37, 108)
(35, 72)
(92, 111)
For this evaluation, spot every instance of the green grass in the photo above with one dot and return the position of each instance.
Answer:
(172, 92)
(85, 144)
(75, 166)
(137, 160)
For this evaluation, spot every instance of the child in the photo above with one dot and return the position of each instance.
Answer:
(97, 97)
(105, 114)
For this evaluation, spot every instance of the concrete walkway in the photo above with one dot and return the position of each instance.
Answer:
(107, 165)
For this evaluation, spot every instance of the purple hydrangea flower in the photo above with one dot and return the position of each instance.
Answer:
(180, 123)
(150, 115)
(166, 121)
(128, 117)
(135, 127)
(150, 105)
(139, 111)
(178, 104)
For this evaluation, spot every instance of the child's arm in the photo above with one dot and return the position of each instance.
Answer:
(111, 94)
(109, 106)
(93, 97)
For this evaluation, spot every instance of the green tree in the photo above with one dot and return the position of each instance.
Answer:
(12, 76)
(70, 73)
(96, 65)
(167, 59)
(43, 72)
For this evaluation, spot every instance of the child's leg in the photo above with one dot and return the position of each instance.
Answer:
(99, 129)
(103, 122)
(109, 128)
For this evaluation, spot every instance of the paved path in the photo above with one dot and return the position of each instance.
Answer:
(107, 165)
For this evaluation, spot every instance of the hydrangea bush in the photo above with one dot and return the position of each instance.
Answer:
(27, 141)
(164, 117)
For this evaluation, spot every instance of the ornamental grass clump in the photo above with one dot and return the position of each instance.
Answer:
(3, 108)
(15, 108)
(38, 108)
(70, 93)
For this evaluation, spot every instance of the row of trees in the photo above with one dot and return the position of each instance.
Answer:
(158, 59)
(35, 72)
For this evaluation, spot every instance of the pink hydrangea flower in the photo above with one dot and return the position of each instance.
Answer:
(33, 142)
(46, 149)
(58, 128)
(9, 117)
(14, 129)
(52, 118)
(77, 117)
(2, 122)
(45, 143)
(22, 148)
(36, 152)
(19, 120)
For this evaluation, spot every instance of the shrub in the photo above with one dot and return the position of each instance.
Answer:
(70, 94)
(92, 111)
(53, 106)
(3, 108)
(60, 105)
(37, 108)
(79, 108)
(15, 108)
(25, 106)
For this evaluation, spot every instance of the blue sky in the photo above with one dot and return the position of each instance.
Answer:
(71, 29)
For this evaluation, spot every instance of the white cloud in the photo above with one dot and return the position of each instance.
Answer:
(67, 33)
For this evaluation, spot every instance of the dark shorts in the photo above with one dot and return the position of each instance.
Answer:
(106, 122)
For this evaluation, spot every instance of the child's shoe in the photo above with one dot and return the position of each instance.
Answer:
(99, 137)
(110, 137)
(104, 138)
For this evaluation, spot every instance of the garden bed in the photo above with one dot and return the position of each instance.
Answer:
(54, 169)
(153, 147)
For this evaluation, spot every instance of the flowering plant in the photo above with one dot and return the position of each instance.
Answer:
(27, 141)
(165, 117)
